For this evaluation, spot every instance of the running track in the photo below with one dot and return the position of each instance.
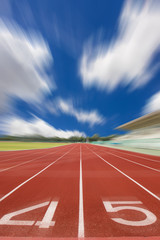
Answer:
(79, 191)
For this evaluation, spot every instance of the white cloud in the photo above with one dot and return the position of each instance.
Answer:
(153, 104)
(23, 59)
(128, 59)
(15, 126)
(92, 117)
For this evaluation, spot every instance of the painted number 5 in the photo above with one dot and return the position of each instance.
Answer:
(150, 217)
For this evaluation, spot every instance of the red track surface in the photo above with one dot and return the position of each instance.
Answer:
(68, 191)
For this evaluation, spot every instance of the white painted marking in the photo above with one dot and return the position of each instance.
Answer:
(45, 223)
(6, 219)
(126, 159)
(141, 186)
(81, 211)
(47, 219)
(51, 224)
(35, 175)
(150, 217)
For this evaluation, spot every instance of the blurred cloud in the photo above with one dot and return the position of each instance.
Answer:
(153, 104)
(127, 60)
(23, 60)
(16, 126)
(67, 107)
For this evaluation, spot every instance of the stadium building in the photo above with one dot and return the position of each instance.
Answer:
(143, 132)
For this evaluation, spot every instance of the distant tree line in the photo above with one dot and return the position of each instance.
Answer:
(94, 138)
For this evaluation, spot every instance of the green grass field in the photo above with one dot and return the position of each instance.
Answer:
(6, 146)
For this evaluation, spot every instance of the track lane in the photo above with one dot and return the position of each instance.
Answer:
(135, 154)
(60, 182)
(150, 164)
(146, 158)
(130, 155)
(104, 183)
(20, 174)
(80, 174)
(147, 177)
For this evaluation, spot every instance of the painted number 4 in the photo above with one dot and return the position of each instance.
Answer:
(150, 217)
(45, 223)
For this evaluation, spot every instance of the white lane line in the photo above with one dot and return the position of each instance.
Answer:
(81, 212)
(17, 165)
(144, 188)
(35, 175)
(126, 159)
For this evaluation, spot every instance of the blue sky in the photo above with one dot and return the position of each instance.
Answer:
(77, 67)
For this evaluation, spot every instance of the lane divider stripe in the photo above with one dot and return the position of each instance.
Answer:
(81, 211)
